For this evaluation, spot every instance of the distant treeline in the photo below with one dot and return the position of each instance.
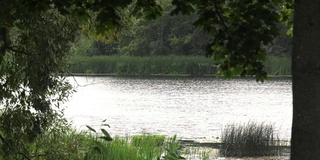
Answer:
(162, 65)
(167, 35)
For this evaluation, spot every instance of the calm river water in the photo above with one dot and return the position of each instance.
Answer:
(192, 108)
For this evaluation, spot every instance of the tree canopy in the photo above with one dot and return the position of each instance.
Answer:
(166, 35)
(35, 39)
(238, 30)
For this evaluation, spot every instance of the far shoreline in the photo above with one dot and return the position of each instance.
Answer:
(171, 75)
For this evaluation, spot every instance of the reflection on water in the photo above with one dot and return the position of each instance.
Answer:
(192, 108)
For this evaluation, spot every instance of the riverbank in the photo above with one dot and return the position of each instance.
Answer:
(162, 65)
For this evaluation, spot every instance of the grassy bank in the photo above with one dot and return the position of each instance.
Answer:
(162, 65)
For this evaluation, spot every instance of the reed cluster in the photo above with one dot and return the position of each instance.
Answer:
(250, 140)
(155, 65)
(162, 65)
(135, 148)
(276, 65)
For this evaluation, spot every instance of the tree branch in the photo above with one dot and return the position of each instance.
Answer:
(226, 29)
(13, 48)
(7, 44)
(12, 149)
(5, 40)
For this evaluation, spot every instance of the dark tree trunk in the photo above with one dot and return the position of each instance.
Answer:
(305, 140)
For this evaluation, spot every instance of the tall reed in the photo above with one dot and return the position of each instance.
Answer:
(126, 65)
(139, 147)
(162, 65)
(276, 65)
(251, 139)
(150, 146)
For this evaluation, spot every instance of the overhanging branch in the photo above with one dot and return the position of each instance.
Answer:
(226, 29)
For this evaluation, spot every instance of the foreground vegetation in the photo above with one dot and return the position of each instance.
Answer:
(64, 143)
(163, 65)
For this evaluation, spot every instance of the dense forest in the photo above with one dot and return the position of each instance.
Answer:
(167, 35)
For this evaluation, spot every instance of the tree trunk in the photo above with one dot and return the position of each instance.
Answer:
(305, 140)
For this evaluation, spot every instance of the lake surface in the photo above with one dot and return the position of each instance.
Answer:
(192, 108)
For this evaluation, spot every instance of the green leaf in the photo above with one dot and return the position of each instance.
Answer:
(107, 135)
(290, 32)
(106, 125)
(98, 146)
(97, 149)
(106, 138)
(86, 157)
(91, 129)
(237, 70)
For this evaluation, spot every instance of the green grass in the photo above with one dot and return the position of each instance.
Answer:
(135, 148)
(162, 65)
(124, 148)
(251, 139)
(66, 144)
(197, 153)
(151, 146)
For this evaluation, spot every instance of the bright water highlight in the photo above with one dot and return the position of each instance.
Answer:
(192, 108)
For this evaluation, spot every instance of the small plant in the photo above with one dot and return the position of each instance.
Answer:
(98, 147)
(135, 148)
(173, 149)
(149, 145)
(252, 140)
(201, 153)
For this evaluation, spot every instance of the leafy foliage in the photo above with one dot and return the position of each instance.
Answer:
(238, 29)
(35, 39)
(287, 15)
(167, 35)
(30, 84)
